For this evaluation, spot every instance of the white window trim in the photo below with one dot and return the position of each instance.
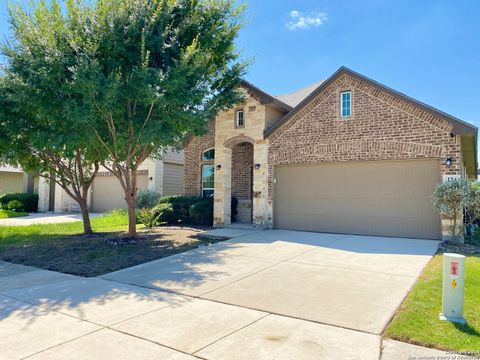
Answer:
(237, 125)
(349, 103)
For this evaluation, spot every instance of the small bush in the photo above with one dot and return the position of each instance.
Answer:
(181, 206)
(16, 206)
(164, 214)
(147, 217)
(201, 213)
(29, 200)
(147, 199)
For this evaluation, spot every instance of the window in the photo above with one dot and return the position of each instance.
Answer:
(239, 119)
(208, 177)
(208, 155)
(346, 103)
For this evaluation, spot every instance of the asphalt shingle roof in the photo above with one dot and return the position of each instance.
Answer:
(294, 98)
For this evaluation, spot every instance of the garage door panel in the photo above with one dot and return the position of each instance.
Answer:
(354, 206)
(366, 225)
(374, 198)
(108, 193)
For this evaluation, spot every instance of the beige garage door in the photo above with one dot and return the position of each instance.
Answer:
(173, 182)
(10, 182)
(108, 194)
(390, 198)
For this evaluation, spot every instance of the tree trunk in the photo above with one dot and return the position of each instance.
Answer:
(131, 202)
(132, 219)
(87, 227)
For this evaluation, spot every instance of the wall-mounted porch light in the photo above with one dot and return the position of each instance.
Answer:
(257, 166)
(448, 161)
(219, 167)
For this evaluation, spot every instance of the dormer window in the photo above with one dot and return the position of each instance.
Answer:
(239, 119)
(346, 103)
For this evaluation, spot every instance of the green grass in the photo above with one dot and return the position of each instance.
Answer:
(417, 319)
(16, 235)
(5, 214)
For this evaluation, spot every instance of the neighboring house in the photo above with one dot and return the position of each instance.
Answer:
(164, 176)
(347, 155)
(11, 179)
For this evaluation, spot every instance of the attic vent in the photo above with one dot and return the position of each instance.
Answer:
(252, 108)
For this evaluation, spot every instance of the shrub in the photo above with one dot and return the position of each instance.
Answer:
(29, 200)
(147, 199)
(450, 198)
(16, 206)
(147, 217)
(181, 206)
(164, 214)
(201, 213)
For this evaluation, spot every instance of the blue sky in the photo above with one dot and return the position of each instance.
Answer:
(426, 49)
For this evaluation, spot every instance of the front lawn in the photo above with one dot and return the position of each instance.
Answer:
(62, 247)
(5, 214)
(417, 319)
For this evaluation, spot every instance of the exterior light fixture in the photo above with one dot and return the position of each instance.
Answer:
(257, 166)
(150, 178)
(448, 161)
(219, 167)
(452, 135)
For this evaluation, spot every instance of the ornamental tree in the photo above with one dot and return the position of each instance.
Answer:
(42, 145)
(450, 198)
(39, 116)
(139, 75)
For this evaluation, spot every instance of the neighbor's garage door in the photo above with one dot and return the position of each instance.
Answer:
(390, 198)
(108, 194)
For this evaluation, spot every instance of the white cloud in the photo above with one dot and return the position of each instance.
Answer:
(299, 20)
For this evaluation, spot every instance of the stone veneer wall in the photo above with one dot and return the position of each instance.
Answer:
(227, 136)
(382, 127)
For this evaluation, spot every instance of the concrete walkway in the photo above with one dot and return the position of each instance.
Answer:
(44, 218)
(263, 295)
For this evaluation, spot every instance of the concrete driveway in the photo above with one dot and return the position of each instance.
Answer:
(44, 218)
(262, 295)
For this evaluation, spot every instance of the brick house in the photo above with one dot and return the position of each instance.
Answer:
(347, 155)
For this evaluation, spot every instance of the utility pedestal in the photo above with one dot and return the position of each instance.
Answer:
(453, 288)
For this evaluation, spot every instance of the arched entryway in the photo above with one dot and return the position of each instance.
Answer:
(242, 181)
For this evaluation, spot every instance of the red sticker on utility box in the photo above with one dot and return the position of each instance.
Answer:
(454, 269)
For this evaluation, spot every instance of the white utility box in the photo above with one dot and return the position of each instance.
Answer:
(453, 288)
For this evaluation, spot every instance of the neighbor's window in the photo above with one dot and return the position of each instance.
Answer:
(239, 119)
(208, 177)
(208, 155)
(346, 103)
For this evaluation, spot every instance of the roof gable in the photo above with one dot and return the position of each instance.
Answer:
(263, 97)
(458, 126)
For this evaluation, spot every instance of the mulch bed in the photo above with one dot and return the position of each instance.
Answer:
(100, 253)
(469, 249)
